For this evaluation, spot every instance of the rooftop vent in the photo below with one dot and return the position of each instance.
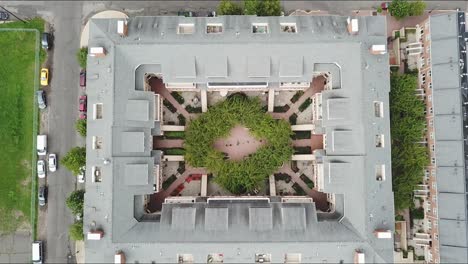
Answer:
(383, 234)
(353, 26)
(119, 257)
(378, 49)
(122, 28)
(359, 257)
(95, 235)
(97, 52)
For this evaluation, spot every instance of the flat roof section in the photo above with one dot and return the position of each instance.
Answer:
(183, 218)
(215, 66)
(291, 66)
(216, 219)
(184, 67)
(258, 66)
(133, 141)
(138, 110)
(260, 219)
(136, 174)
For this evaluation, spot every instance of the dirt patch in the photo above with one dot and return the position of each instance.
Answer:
(17, 214)
(239, 144)
(26, 182)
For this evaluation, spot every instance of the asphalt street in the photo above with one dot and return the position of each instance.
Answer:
(67, 19)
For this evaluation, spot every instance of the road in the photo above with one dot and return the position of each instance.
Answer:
(67, 19)
(66, 27)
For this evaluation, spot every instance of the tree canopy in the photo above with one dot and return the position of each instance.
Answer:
(75, 159)
(238, 176)
(402, 8)
(82, 56)
(75, 231)
(227, 7)
(75, 202)
(407, 120)
(81, 127)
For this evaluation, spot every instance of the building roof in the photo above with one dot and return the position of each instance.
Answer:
(153, 46)
(449, 136)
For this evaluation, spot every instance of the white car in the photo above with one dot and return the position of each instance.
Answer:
(81, 175)
(41, 169)
(52, 162)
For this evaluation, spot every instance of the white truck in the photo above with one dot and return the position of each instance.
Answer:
(41, 145)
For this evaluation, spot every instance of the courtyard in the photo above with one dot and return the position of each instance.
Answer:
(291, 178)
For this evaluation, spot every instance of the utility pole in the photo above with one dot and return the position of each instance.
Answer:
(22, 20)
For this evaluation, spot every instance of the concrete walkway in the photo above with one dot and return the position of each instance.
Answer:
(158, 87)
(167, 143)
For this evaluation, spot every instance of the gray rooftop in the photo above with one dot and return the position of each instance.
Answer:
(449, 139)
(238, 230)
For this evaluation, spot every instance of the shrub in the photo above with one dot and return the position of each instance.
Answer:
(417, 213)
(283, 177)
(293, 119)
(307, 181)
(305, 104)
(178, 97)
(238, 176)
(168, 182)
(82, 56)
(182, 119)
(301, 135)
(75, 202)
(81, 127)
(262, 7)
(169, 106)
(174, 151)
(281, 109)
(296, 96)
(174, 134)
(75, 159)
(302, 150)
(181, 168)
(75, 231)
(227, 7)
(379, 10)
(192, 109)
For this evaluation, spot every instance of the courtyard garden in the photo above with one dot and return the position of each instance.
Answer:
(246, 175)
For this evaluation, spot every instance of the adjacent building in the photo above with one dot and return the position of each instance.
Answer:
(239, 53)
(443, 84)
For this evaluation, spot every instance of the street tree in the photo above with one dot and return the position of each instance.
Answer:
(75, 231)
(81, 127)
(74, 159)
(76, 201)
(226, 7)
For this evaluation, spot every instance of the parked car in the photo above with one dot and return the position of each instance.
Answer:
(83, 106)
(81, 175)
(41, 99)
(42, 195)
(46, 41)
(52, 162)
(4, 15)
(37, 252)
(44, 77)
(185, 13)
(83, 78)
(41, 169)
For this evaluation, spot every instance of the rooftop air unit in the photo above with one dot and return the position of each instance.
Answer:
(353, 25)
(97, 52)
(122, 28)
(378, 49)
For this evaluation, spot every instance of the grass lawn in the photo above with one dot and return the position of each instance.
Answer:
(17, 74)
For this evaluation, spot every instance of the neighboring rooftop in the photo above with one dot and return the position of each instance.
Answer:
(362, 218)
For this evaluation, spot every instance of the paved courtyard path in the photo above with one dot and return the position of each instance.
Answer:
(239, 144)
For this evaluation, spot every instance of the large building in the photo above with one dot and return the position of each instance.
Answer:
(213, 55)
(443, 83)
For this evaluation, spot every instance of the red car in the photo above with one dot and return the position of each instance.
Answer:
(83, 106)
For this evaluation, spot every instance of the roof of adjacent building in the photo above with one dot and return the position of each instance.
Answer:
(449, 137)
(238, 230)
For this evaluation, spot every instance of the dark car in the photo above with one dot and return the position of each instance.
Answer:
(4, 15)
(41, 99)
(42, 196)
(83, 106)
(45, 41)
(83, 78)
(185, 13)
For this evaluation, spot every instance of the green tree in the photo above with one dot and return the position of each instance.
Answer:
(82, 56)
(407, 124)
(417, 8)
(76, 201)
(269, 8)
(75, 231)
(81, 127)
(250, 7)
(227, 7)
(75, 159)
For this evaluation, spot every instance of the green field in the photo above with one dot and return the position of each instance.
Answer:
(17, 86)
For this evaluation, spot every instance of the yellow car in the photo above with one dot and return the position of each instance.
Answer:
(44, 77)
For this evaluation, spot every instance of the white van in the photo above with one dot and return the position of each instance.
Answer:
(37, 252)
(41, 145)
